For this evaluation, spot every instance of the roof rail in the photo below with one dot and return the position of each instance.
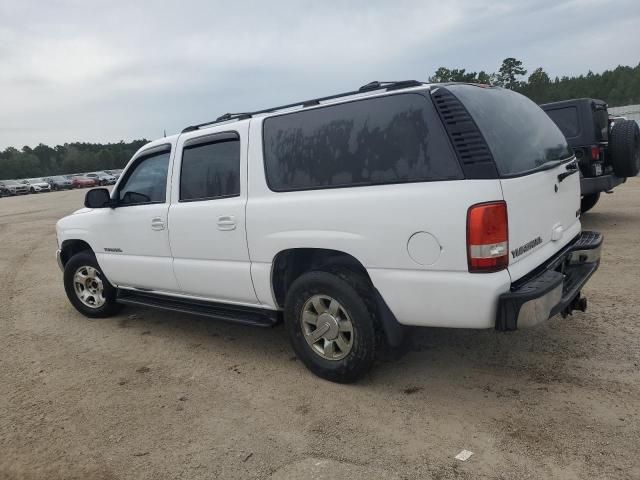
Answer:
(369, 87)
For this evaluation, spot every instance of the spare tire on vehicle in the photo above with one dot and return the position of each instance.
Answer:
(624, 145)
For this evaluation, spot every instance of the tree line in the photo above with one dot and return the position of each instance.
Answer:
(44, 161)
(617, 87)
(620, 86)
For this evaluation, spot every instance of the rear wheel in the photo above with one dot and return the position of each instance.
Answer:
(330, 325)
(589, 201)
(87, 288)
(624, 144)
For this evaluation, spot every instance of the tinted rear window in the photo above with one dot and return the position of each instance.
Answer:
(390, 139)
(520, 135)
(566, 119)
(210, 170)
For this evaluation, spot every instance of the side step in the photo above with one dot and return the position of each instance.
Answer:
(256, 317)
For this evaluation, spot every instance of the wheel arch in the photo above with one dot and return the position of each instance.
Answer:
(71, 247)
(291, 263)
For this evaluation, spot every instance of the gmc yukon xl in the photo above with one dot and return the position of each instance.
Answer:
(350, 217)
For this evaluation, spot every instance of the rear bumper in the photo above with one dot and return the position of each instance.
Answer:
(554, 289)
(604, 183)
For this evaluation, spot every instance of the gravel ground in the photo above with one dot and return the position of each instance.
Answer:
(153, 395)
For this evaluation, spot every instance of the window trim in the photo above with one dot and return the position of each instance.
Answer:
(209, 139)
(137, 160)
(421, 93)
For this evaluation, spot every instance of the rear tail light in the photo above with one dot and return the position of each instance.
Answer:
(487, 237)
(595, 152)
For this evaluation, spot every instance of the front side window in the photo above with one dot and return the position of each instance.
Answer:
(210, 170)
(147, 182)
(391, 139)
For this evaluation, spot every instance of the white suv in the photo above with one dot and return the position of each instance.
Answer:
(349, 216)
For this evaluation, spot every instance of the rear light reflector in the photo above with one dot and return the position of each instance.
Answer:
(595, 152)
(487, 237)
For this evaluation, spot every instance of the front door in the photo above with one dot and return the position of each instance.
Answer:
(132, 238)
(207, 216)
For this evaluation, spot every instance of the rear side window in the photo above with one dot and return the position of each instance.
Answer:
(519, 133)
(392, 139)
(566, 119)
(210, 170)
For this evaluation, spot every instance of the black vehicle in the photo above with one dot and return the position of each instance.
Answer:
(59, 182)
(607, 148)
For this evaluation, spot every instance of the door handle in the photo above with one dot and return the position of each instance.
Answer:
(226, 222)
(157, 223)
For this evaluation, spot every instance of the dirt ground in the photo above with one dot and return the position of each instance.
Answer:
(155, 395)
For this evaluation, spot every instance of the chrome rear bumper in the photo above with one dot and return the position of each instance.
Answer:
(554, 289)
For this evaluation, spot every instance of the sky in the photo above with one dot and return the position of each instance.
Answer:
(105, 71)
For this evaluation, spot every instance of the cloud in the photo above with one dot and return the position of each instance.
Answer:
(111, 70)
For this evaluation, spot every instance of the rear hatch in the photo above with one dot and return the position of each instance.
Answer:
(540, 183)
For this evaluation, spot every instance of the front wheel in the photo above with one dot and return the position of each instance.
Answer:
(330, 325)
(589, 201)
(87, 288)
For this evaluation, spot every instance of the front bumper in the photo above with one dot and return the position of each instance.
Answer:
(552, 289)
(59, 260)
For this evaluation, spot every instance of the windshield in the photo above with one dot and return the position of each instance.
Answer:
(520, 135)
(35, 180)
(11, 182)
(59, 179)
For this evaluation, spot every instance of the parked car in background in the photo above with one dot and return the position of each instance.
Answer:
(81, 181)
(37, 185)
(607, 147)
(59, 182)
(102, 178)
(4, 191)
(349, 216)
(13, 187)
(115, 173)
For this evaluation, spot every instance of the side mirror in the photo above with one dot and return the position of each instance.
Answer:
(97, 198)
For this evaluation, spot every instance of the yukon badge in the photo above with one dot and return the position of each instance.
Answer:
(526, 247)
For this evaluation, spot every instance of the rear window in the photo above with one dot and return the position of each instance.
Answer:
(210, 170)
(392, 139)
(520, 135)
(566, 119)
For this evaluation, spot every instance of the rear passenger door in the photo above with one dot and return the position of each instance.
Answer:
(207, 215)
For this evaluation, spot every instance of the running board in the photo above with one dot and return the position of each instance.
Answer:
(256, 317)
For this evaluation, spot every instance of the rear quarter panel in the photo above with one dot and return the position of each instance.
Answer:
(374, 224)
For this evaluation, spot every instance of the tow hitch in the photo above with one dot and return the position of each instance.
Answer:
(578, 303)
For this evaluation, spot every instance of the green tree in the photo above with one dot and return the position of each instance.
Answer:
(510, 69)
(444, 75)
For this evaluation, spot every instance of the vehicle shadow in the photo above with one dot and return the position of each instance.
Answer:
(538, 354)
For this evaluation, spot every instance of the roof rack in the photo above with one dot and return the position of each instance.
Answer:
(369, 87)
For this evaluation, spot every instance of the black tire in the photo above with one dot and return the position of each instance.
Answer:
(624, 145)
(346, 288)
(32, 190)
(55, 188)
(82, 259)
(589, 201)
